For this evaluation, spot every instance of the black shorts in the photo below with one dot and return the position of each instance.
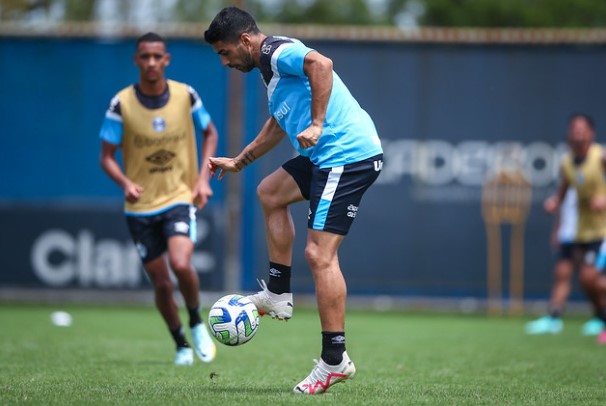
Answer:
(589, 253)
(334, 194)
(150, 233)
(565, 250)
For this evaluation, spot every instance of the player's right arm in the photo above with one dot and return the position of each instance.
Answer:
(553, 202)
(132, 191)
(269, 136)
(111, 136)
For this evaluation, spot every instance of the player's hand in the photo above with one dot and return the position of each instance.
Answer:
(201, 194)
(222, 165)
(551, 204)
(598, 203)
(309, 137)
(132, 192)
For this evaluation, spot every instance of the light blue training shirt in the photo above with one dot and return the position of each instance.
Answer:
(349, 134)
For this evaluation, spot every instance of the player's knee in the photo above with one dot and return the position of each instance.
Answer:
(315, 257)
(163, 286)
(587, 278)
(267, 195)
(262, 190)
(180, 265)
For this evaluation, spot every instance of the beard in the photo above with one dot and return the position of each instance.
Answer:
(247, 64)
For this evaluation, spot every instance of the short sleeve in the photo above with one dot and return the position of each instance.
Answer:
(111, 128)
(199, 114)
(292, 59)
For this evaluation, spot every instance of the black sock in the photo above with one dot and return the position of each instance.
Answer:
(555, 313)
(333, 347)
(179, 337)
(601, 314)
(279, 278)
(194, 316)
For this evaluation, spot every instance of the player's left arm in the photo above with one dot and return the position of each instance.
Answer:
(202, 191)
(269, 136)
(318, 70)
(598, 202)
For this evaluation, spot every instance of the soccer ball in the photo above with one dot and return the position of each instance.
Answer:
(233, 320)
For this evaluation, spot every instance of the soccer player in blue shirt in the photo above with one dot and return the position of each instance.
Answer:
(340, 156)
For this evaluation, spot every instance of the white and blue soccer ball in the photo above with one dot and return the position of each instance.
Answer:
(233, 320)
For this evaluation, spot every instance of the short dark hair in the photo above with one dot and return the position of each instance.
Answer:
(588, 119)
(229, 24)
(150, 37)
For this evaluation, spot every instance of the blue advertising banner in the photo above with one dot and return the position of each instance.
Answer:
(88, 248)
(472, 136)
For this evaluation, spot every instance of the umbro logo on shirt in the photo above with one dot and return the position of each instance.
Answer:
(161, 157)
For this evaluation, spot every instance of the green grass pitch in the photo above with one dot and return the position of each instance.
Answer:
(123, 356)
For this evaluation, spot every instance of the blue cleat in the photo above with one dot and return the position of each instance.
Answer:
(185, 356)
(203, 343)
(545, 325)
(593, 327)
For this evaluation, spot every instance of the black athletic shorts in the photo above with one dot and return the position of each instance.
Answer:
(591, 253)
(334, 194)
(150, 233)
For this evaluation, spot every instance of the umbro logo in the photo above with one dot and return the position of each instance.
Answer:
(181, 227)
(338, 340)
(161, 157)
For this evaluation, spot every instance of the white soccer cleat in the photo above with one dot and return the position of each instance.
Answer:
(323, 376)
(203, 343)
(185, 356)
(278, 306)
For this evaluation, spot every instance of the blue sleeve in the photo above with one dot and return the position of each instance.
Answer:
(199, 113)
(111, 131)
(292, 59)
(111, 128)
(201, 118)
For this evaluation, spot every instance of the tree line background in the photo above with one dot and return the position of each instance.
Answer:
(401, 13)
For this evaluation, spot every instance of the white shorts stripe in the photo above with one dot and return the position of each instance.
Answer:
(332, 182)
(327, 195)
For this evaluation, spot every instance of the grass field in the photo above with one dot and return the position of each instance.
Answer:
(123, 356)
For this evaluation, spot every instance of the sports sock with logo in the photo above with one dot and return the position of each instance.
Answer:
(179, 337)
(333, 347)
(194, 316)
(279, 278)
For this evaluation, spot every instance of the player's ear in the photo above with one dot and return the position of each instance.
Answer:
(168, 57)
(245, 39)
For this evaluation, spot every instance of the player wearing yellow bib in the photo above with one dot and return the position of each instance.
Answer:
(562, 240)
(155, 122)
(583, 169)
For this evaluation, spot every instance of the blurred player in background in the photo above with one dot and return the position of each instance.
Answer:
(154, 122)
(562, 240)
(583, 170)
(340, 156)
